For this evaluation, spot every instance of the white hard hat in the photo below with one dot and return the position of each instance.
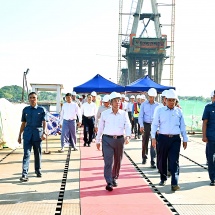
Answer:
(114, 95)
(93, 93)
(164, 93)
(123, 95)
(126, 98)
(132, 97)
(138, 97)
(152, 92)
(171, 94)
(73, 93)
(106, 98)
(143, 97)
(212, 93)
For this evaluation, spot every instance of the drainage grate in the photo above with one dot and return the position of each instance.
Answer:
(194, 161)
(7, 155)
(153, 186)
(63, 185)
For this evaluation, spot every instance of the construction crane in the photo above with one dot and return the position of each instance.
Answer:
(146, 54)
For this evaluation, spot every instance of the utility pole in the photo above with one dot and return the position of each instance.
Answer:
(24, 85)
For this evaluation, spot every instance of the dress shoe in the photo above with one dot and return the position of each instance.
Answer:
(109, 187)
(168, 174)
(135, 137)
(138, 136)
(24, 179)
(88, 144)
(144, 161)
(175, 187)
(85, 144)
(115, 184)
(61, 150)
(162, 183)
(39, 175)
(75, 149)
(153, 166)
(212, 183)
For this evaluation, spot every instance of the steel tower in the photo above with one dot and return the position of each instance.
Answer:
(146, 54)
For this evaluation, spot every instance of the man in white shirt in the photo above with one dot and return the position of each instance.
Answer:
(113, 124)
(129, 109)
(88, 110)
(105, 106)
(68, 116)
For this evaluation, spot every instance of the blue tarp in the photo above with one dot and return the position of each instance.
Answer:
(100, 85)
(144, 84)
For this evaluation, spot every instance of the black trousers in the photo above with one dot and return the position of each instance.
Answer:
(88, 128)
(131, 121)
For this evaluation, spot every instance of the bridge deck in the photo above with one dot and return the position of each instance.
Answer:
(73, 183)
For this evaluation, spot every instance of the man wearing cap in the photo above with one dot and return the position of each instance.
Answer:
(105, 106)
(170, 121)
(68, 116)
(162, 104)
(94, 99)
(135, 114)
(129, 109)
(88, 110)
(113, 124)
(123, 105)
(143, 98)
(74, 99)
(145, 119)
(208, 136)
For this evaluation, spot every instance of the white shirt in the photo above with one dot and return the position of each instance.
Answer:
(89, 109)
(130, 106)
(98, 115)
(113, 124)
(124, 105)
(156, 109)
(70, 111)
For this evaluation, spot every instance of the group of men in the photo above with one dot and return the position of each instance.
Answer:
(111, 125)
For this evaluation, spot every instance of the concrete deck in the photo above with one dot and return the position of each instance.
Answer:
(58, 191)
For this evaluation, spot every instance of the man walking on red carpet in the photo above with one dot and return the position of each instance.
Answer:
(114, 123)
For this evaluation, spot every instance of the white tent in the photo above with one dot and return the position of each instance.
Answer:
(10, 121)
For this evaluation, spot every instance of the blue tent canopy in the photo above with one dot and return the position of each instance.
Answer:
(100, 85)
(144, 84)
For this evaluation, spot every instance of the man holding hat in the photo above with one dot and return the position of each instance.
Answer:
(145, 120)
(114, 123)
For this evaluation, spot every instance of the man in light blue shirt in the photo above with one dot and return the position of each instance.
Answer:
(170, 121)
(145, 119)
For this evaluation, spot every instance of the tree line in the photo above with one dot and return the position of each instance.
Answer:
(13, 93)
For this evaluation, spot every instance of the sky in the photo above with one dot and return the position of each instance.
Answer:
(68, 42)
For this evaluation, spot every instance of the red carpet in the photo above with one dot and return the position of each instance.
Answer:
(132, 195)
